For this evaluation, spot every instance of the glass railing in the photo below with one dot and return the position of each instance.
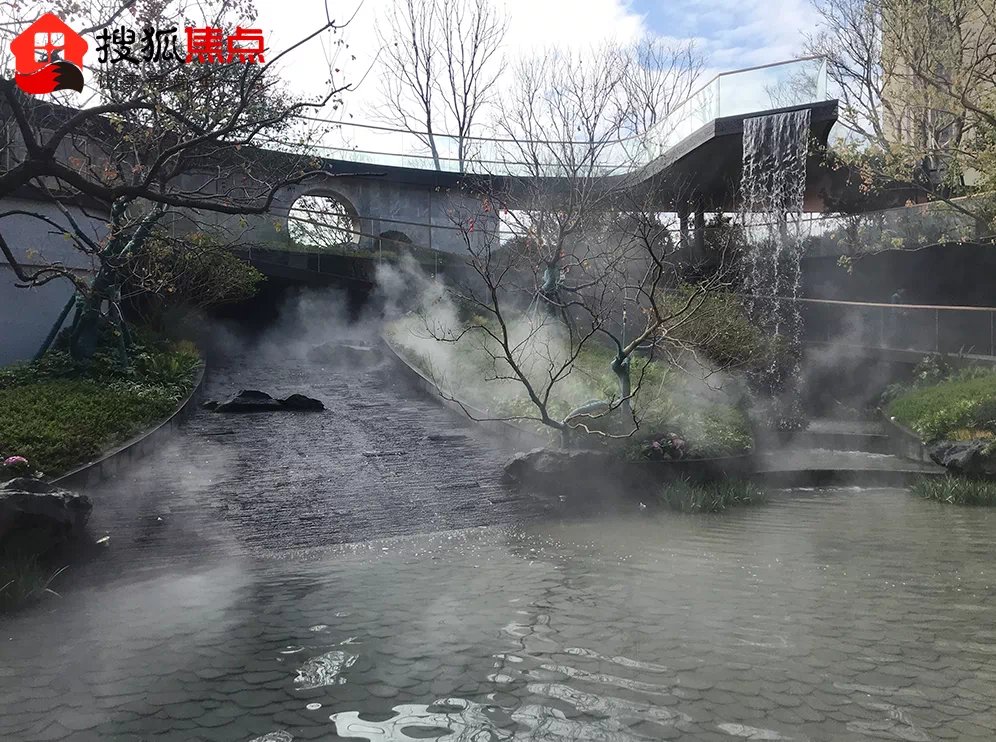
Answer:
(781, 85)
(922, 328)
(757, 89)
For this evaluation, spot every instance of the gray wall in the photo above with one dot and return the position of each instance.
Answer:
(26, 315)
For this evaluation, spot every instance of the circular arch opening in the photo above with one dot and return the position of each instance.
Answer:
(324, 221)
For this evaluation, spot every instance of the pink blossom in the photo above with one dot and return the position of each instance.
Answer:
(15, 460)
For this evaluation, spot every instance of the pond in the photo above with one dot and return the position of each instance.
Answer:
(837, 614)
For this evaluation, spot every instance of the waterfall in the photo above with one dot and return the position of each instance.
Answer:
(772, 190)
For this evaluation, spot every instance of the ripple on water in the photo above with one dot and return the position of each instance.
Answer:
(447, 719)
(751, 733)
(324, 670)
(280, 736)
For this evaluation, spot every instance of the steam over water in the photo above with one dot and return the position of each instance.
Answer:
(775, 148)
(834, 615)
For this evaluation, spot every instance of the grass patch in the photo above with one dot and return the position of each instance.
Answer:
(58, 415)
(949, 409)
(668, 403)
(956, 490)
(23, 580)
(710, 497)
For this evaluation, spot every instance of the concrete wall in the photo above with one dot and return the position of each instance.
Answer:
(382, 205)
(26, 315)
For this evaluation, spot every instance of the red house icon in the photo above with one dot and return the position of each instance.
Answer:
(45, 41)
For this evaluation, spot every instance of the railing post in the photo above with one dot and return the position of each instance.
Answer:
(937, 330)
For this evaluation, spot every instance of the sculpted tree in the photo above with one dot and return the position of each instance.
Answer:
(165, 143)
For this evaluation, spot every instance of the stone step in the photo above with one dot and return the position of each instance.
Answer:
(840, 435)
(821, 466)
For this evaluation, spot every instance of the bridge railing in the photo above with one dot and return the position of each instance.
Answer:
(754, 89)
(924, 328)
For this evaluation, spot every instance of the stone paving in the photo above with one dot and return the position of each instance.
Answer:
(833, 615)
(384, 459)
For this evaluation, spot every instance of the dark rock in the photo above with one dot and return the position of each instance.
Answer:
(964, 457)
(209, 404)
(559, 471)
(249, 400)
(301, 402)
(36, 516)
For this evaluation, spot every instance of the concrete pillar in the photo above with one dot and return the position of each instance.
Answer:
(699, 230)
(683, 240)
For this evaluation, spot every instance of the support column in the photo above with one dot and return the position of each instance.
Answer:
(683, 240)
(699, 231)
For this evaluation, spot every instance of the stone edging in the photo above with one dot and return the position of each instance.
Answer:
(110, 462)
(904, 442)
(505, 430)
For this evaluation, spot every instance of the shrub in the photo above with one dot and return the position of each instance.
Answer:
(58, 414)
(720, 329)
(965, 401)
(956, 490)
(711, 497)
(168, 277)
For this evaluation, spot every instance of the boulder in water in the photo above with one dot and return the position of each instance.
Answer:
(252, 400)
(36, 516)
(301, 402)
(560, 471)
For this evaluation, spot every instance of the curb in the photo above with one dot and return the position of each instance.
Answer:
(905, 442)
(112, 461)
(503, 429)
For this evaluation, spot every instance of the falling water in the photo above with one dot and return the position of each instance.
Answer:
(773, 187)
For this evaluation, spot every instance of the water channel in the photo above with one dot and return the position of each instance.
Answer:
(364, 574)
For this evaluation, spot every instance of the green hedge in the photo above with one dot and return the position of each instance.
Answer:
(960, 407)
(59, 416)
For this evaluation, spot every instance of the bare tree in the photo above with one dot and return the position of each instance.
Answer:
(167, 144)
(849, 37)
(661, 76)
(411, 58)
(914, 78)
(441, 66)
(581, 264)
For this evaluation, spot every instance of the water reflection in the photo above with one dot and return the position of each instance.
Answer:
(842, 615)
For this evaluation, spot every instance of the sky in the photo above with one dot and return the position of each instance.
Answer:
(730, 34)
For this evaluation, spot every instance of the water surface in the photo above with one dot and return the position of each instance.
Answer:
(824, 615)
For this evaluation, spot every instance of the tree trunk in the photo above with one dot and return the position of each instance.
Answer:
(620, 367)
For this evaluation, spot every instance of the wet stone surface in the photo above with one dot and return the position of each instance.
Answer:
(263, 583)
(382, 460)
(835, 615)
